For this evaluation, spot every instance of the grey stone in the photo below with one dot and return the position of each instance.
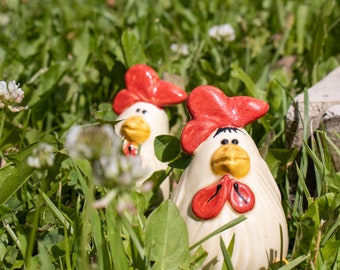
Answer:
(331, 121)
(322, 96)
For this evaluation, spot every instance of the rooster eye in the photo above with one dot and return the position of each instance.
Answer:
(138, 110)
(234, 141)
(224, 141)
(144, 112)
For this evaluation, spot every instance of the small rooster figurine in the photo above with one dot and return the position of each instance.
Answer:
(227, 177)
(139, 107)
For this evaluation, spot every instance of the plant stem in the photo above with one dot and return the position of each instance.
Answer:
(32, 238)
(2, 126)
(87, 187)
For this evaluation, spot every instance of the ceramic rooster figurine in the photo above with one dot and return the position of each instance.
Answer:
(140, 109)
(227, 177)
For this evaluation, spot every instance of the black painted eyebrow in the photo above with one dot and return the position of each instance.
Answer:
(229, 129)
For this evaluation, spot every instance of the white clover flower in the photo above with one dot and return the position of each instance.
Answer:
(111, 166)
(10, 95)
(41, 157)
(118, 169)
(4, 19)
(181, 49)
(102, 147)
(222, 32)
(125, 204)
(91, 142)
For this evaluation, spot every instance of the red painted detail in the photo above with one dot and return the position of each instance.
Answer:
(210, 109)
(130, 149)
(143, 84)
(208, 202)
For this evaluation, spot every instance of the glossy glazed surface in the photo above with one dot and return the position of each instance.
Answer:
(140, 109)
(228, 177)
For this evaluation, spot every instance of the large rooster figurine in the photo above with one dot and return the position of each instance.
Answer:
(226, 178)
(140, 109)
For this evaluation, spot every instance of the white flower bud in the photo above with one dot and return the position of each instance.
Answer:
(41, 157)
(181, 49)
(222, 32)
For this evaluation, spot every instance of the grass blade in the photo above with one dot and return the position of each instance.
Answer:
(115, 241)
(226, 256)
(58, 214)
(292, 264)
(219, 230)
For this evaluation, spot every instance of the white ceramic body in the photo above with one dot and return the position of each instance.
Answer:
(257, 239)
(158, 121)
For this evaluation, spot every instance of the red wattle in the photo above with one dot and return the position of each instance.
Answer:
(209, 201)
(242, 198)
(130, 149)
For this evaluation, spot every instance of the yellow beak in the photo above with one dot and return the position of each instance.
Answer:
(135, 129)
(232, 159)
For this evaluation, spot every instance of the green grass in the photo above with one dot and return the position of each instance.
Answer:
(70, 57)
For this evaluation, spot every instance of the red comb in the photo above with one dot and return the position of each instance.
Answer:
(210, 109)
(143, 84)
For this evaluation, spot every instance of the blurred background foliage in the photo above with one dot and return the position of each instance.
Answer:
(70, 57)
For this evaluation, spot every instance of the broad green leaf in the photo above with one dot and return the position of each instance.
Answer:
(166, 238)
(133, 51)
(167, 147)
(154, 197)
(12, 177)
(157, 178)
(181, 162)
